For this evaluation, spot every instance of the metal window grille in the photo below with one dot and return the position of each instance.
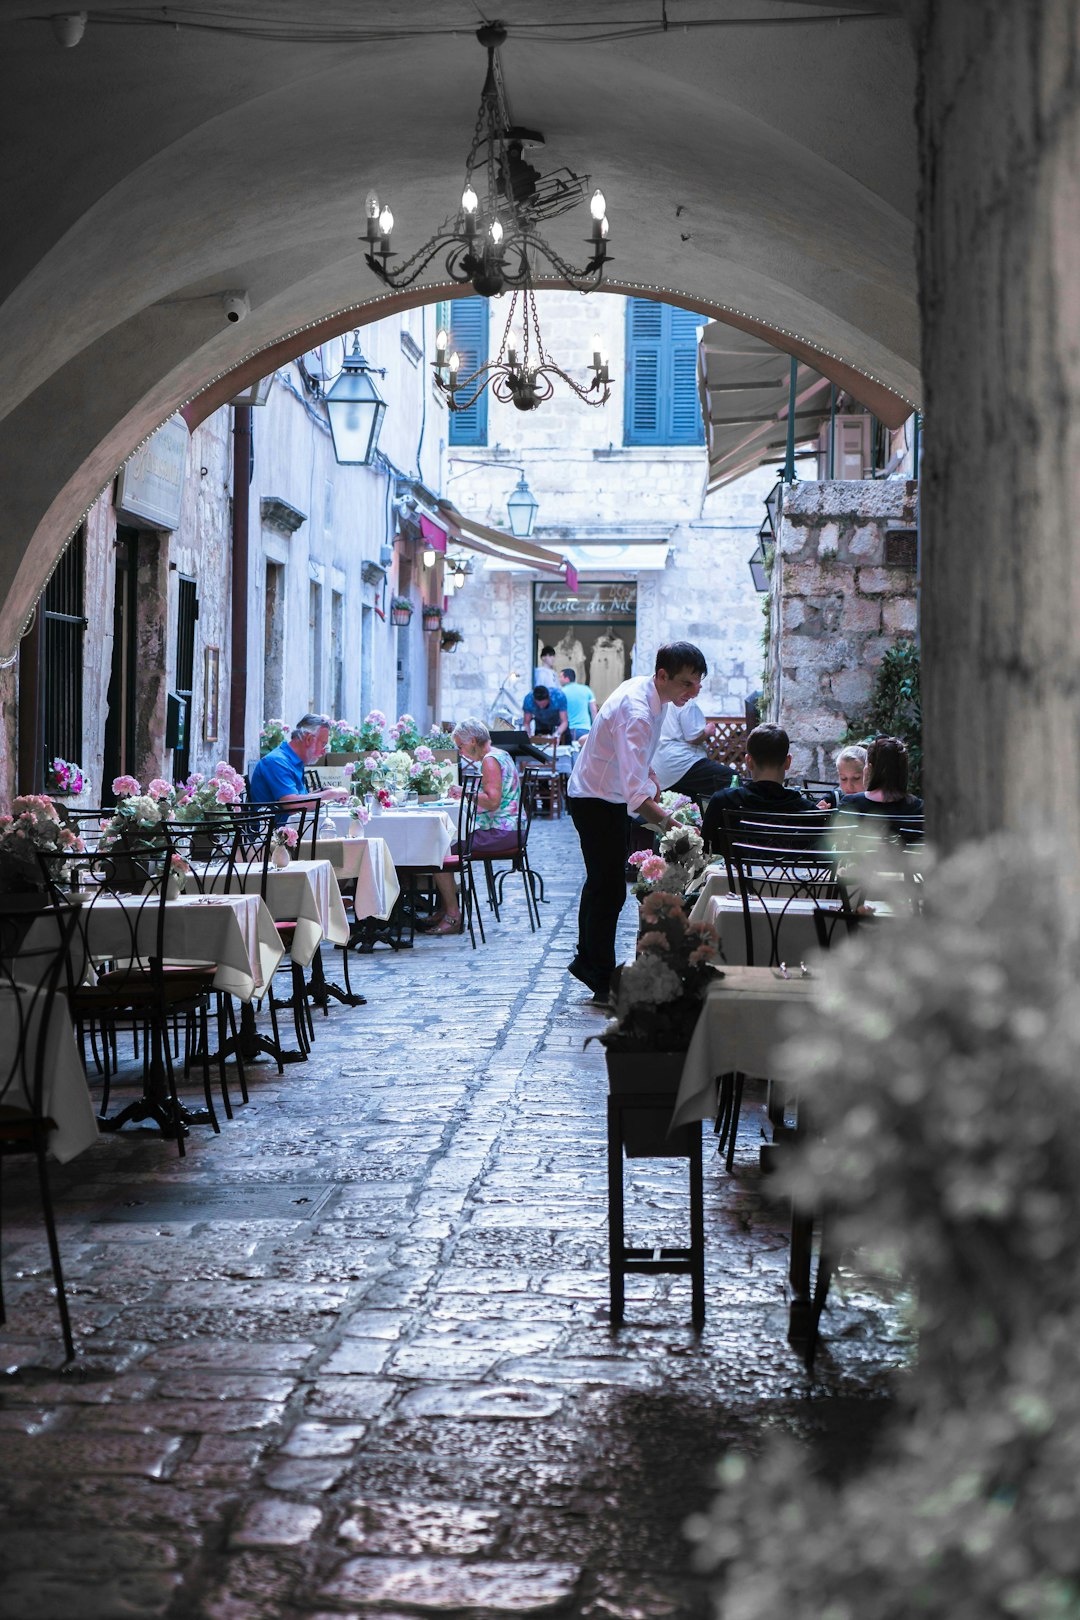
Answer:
(62, 666)
(187, 612)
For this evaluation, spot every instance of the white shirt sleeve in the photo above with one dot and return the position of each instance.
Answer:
(634, 744)
(691, 720)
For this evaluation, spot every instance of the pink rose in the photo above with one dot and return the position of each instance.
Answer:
(125, 787)
(226, 793)
(159, 788)
(638, 857)
(653, 867)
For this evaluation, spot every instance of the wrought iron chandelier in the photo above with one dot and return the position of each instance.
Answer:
(493, 240)
(521, 373)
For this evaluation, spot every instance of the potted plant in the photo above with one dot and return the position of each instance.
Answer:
(366, 774)
(657, 1001)
(271, 733)
(450, 640)
(427, 778)
(431, 614)
(33, 826)
(283, 842)
(343, 744)
(132, 838)
(203, 798)
(680, 859)
(401, 610)
(404, 734)
(64, 779)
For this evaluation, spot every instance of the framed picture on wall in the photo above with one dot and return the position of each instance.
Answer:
(211, 699)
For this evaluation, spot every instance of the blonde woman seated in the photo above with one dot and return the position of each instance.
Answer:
(496, 813)
(850, 765)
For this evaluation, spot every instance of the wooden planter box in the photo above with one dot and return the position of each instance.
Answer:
(645, 1130)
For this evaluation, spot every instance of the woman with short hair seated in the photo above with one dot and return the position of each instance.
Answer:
(496, 814)
(885, 780)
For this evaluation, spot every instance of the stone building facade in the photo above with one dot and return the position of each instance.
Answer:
(326, 552)
(633, 515)
(843, 590)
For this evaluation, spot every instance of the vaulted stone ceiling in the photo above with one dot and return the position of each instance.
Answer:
(758, 157)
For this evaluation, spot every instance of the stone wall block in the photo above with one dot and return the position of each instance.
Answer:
(828, 653)
(851, 689)
(829, 540)
(882, 581)
(861, 499)
(793, 538)
(866, 543)
(900, 615)
(863, 613)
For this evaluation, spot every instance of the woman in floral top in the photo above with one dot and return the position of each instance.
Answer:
(496, 812)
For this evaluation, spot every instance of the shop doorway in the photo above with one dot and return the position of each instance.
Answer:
(593, 630)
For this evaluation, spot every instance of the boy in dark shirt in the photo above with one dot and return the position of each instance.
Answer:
(768, 757)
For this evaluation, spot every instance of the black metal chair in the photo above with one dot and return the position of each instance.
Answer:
(134, 985)
(31, 979)
(517, 854)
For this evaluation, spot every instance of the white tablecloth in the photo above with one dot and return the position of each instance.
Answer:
(306, 891)
(793, 920)
(233, 931)
(65, 1098)
(419, 836)
(740, 1025)
(366, 862)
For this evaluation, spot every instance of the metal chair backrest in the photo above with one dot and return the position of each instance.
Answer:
(822, 790)
(34, 949)
(467, 808)
(770, 830)
(775, 885)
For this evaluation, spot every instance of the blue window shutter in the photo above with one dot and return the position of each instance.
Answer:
(685, 425)
(469, 336)
(644, 383)
(661, 375)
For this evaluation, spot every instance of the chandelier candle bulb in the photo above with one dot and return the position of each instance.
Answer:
(441, 340)
(455, 362)
(596, 354)
(496, 233)
(386, 224)
(598, 204)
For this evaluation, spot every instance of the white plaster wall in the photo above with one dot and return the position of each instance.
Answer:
(590, 488)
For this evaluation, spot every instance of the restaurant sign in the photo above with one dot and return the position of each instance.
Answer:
(151, 485)
(593, 599)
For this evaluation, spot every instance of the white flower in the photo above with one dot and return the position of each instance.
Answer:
(647, 982)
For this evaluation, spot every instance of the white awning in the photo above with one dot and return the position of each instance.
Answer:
(636, 557)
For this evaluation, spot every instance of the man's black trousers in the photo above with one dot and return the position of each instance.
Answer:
(602, 829)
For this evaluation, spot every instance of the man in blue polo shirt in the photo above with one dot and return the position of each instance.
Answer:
(279, 775)
(544, 712)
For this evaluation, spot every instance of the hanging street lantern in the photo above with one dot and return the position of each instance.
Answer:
(356, 410)
(521, 508)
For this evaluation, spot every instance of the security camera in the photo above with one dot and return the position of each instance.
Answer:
(68, 28)
(236, 305)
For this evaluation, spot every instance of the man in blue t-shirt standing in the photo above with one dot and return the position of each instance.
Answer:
(279, 775)
(580, 703)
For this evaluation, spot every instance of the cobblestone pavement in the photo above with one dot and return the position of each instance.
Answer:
(352, 1356)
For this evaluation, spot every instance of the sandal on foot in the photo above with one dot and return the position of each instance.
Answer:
(448, 925)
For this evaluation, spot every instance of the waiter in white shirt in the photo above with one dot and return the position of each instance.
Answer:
(612, 778)
(680, 763)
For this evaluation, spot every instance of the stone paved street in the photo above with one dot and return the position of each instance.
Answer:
(353, 1355)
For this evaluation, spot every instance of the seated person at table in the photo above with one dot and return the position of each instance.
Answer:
(279, 775)
(580, 704)
(885, 781)
(496, 814)
(768, 758)
(680, 763)
(545, 713)
(850, 764)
